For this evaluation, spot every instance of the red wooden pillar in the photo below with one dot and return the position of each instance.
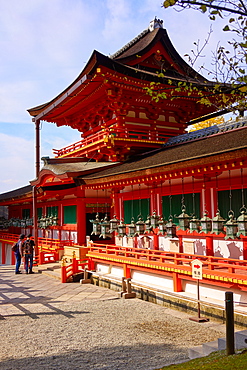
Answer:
(177, 283)
(244, 238)
(209, 245)
(81, 221)
(206, 204)
(127, 271)
(3, 253)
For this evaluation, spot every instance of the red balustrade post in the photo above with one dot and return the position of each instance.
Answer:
(41, 256)
(177, 283)
(209, 245)
(74, 264)
(3, 254)
(63, 271)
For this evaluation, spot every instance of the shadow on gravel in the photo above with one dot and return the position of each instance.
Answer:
(12, 294)
(139, 357)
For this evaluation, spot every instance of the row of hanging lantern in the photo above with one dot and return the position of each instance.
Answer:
(104, 228)
(232, 228)
(47, 221)
(17, 222)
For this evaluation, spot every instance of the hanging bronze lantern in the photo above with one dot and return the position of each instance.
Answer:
(114, 222)
(171, 228)
(96, 225)
(242, 223)
(132, 228)
(140, 226)
(218, 223)
(183, 219)
(194, 224)
(55, 221)
(154, 220)
(206, 223)
(231, 226)
(162, 226)
(121, 229)
(148, 224)
(105, 228)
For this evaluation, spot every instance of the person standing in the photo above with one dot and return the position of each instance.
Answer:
(18, 253)
(27, 253)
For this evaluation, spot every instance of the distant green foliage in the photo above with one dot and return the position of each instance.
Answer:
(230, 64)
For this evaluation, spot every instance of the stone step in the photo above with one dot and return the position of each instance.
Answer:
(219, 345)
(196, 352)
(53, 274)
(210, 347)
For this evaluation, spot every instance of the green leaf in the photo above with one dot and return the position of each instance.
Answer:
(226, 28)
(203, 8)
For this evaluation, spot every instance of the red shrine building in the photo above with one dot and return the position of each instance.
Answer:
(138, 192)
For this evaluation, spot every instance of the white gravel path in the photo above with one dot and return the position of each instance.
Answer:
(49, 325)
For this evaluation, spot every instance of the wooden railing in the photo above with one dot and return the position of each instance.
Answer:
(214, 268)
(75, 267)
(116, 133)
(48, 249)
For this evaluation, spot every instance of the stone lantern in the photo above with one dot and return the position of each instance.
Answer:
(231, 227)
(242, 223)
(171, 229)
(218, 223)
(183, 219)
(206, 223)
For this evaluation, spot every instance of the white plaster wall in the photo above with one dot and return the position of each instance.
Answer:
(228, 249)
(148, 279)
(55, 234)
(100, 267)
(116, 271)
(213, 293)
(164, 243)
(8, 251)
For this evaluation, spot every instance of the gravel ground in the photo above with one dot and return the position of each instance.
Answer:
(94, 333)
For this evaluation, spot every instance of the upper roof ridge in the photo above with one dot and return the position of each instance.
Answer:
(130, 43)
(208, 131)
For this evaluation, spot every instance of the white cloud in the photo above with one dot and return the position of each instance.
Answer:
(17, 165)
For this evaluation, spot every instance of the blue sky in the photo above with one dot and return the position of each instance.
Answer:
(44, 46)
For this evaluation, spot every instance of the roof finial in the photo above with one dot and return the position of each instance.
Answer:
(156, 23)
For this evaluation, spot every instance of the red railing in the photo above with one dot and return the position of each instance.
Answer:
(215, 268)
(48, 249)
(117, 133)
(68, 270)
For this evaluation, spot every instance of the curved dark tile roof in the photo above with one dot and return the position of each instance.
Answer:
(229, 138)
(16, 193)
